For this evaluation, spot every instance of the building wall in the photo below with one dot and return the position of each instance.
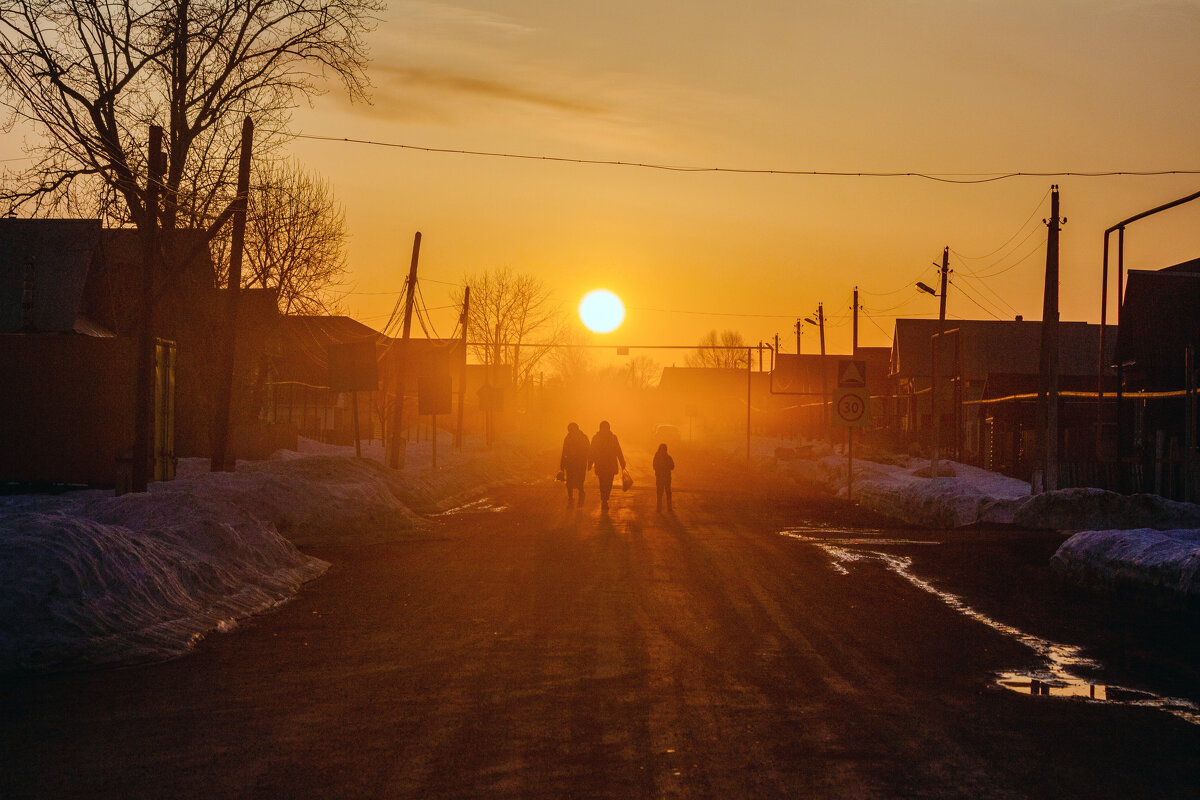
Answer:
(66, 408)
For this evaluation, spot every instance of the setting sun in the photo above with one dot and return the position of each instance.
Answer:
(601, 311)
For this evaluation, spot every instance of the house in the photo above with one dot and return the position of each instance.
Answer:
(971, 352)
(68, 403)
(1157, 350)
(329, 366)
(74, 275)
(300, 385)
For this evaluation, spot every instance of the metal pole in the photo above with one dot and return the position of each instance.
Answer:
(749, 375)
(462, 382)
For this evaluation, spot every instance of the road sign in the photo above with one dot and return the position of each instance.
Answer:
(851, 408)
(852, 374)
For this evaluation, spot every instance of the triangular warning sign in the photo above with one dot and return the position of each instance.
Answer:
(852, 374)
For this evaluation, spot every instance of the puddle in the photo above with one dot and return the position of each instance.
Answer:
(1055, 679)
(482, 506)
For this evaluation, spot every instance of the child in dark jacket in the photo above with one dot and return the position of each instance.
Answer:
(663, 464)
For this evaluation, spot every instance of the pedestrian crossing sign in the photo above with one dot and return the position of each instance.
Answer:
(852, 374)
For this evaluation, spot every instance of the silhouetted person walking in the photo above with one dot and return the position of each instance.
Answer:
(576, 458)
(663, 464)
(607, 459)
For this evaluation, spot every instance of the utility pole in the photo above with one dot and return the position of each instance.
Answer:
(144, 380)
(824, 386)
(854, 347)
(462, 381)
(942, 295)
(933, 406)
(799, 328)
(820, 323)
(397, 442)
(1048, 391)
(220, 461)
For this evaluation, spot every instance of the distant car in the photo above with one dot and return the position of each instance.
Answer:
(667, 434)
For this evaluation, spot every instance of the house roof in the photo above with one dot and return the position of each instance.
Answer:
(987, 346)
(52, 258)
(1160, 317)
(1186, 266)
(307, 339)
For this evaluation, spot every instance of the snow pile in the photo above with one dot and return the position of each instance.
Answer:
(1092, 509)
(1167, 561)
(88, 578)
(971, 496)
(1139, 540)
(105, 580)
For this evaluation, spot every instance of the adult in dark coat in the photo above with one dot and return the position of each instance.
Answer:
(576, 458)
(607, 459)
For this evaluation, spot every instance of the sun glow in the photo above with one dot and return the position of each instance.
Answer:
(601, 311)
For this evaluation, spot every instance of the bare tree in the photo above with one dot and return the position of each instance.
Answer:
(726, 350)
(295, 239)
(508, 310)
(572, 364)
(92, 77)
(644, 372)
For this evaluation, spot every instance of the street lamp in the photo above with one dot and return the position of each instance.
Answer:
(926, 289)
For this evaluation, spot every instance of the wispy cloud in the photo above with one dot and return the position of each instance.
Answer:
(399, 81)
(427, 13)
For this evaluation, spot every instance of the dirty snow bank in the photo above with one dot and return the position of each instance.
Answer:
(1144, 559)
(91, 579)
(1139, 540)
(973, 495)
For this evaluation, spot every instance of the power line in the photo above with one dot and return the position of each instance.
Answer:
(711, 313)
(961, 178)
(1028, 219)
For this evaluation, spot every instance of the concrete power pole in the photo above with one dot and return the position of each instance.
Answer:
(397, 442)
(935, 419)
(1048, 393)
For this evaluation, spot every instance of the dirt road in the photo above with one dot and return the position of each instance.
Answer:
(535, 651)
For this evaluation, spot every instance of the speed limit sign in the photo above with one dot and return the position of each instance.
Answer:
(851, 408)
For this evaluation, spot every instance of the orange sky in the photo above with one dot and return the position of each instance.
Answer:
(937, 86)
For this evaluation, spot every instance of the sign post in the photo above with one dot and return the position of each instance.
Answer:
(851, 409)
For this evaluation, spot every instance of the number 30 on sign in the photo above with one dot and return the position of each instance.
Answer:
(851, 408)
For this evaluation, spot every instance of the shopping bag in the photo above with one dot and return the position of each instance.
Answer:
(626, 481)
(561, 476)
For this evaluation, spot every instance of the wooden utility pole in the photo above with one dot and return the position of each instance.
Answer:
(820, 323)
(462, 382)
(144, 380)
(397, 442)
(1048, 391)
(799, 327)
(854, 346)
(220, 459)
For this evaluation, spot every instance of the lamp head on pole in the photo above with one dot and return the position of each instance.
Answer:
(926, 289)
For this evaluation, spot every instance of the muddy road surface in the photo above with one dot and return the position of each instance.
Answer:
(762, 641)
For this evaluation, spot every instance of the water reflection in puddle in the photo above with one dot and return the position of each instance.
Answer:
(482, 505)
(1054, 680)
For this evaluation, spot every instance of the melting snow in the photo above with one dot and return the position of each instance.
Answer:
(92, 579)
